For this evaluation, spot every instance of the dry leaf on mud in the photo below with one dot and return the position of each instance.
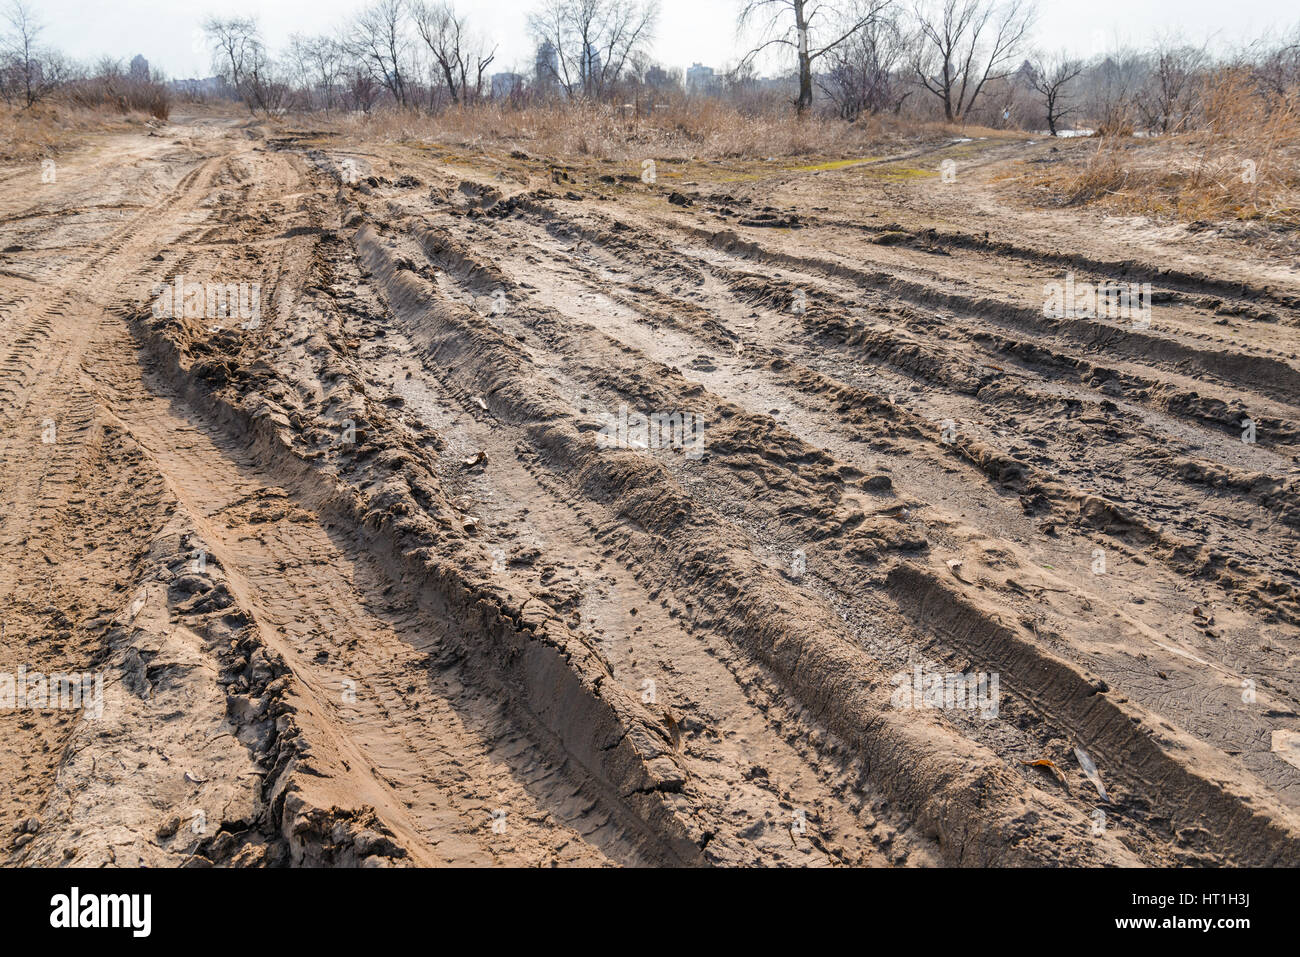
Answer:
(674, 729)
(1051, 766)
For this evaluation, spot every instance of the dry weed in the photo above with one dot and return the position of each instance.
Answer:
(1242, 162)
(687, 129)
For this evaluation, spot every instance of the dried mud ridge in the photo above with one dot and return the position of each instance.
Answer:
(368, 588)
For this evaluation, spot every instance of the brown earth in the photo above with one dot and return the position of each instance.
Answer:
(367, 587)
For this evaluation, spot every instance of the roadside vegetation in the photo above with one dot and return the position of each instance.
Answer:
(1175, 130)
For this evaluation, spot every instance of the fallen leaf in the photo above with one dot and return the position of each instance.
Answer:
(674, 728)
(1051, 766)
(1090, 771)
(1286, 745)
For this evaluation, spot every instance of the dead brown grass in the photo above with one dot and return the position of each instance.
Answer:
(47, 129)
(687, 129)
(42, 131)
(121, 94)
(1242, 162)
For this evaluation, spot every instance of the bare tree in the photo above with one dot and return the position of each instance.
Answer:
(1049, 76)
(32, 72)
(318, 63)
(231, 42)
(594, 41)
(1275, 69)
(862, 71)
(811, 28)
(1166, 99)
(379, 38)
(240, 57)
(459, 57)
(1114, 84)
(361, 88)
(962, 44)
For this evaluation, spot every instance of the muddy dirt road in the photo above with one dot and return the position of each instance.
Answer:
(417, 505)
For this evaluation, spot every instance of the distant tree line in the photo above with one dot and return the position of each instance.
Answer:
(959, 61)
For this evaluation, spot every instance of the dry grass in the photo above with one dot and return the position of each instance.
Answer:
(686, 129)
(45, 130)
(122, 95)
(55, 125)
(1242, 162)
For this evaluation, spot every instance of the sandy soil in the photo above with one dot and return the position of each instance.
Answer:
(367, 585)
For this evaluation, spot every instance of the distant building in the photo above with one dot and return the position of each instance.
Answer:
(506, 85)
(788, 83)
(139, 68)
(702, 80)
(213, 86)
(546, 68)
(659, 78)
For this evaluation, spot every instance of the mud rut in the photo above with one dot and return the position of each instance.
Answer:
(367, 590)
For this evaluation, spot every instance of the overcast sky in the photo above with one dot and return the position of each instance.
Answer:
(167, 31)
